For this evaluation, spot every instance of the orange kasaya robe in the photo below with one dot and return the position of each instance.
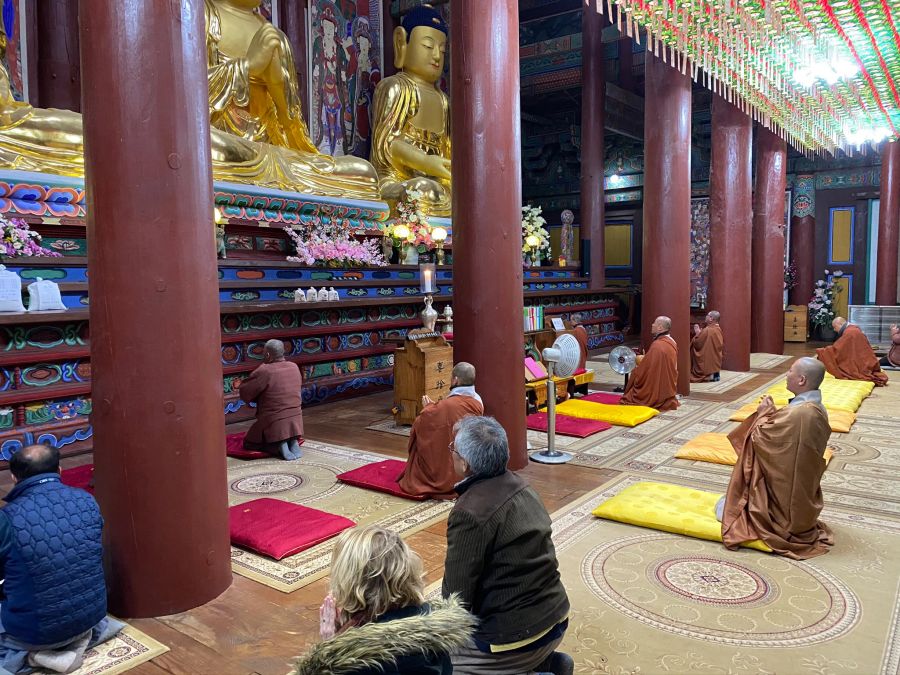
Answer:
(707, 351)
(851, 358)
(429, 470)
(775, 491)
(653, 382)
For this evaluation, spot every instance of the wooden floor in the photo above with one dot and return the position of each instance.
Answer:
(252, 628)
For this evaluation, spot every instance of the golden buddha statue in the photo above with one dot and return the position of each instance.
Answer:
(411, 138)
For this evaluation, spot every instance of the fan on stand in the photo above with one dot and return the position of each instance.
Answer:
(562, 360)
(622, 360)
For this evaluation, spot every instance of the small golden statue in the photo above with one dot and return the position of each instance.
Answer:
(411, 137)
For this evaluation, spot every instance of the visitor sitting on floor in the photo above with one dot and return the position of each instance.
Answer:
(851, 357)
(51, 562)
(775, 492)
(376, 620)
(429, 469)
(501, 561)
(275, 388)
(707, 350)
(654, 381)
(892, 360)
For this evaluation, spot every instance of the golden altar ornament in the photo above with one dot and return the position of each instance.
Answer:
(411, 126)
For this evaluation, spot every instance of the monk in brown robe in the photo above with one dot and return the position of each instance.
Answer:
(652, 383)
(707, 350)
(429, 470)
(851, 357)
(775, 492)
(275, 388)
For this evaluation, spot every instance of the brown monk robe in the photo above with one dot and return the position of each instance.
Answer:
(851, 357)
(652, 383)
(775, 492)
(275, 388)
(707, 349)
(429, 470)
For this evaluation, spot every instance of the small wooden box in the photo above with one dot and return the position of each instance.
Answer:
(421, 367)
(795, 317)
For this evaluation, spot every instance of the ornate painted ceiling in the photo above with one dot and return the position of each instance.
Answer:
(821, 73)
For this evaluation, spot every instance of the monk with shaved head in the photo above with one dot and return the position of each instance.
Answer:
(654, 380)
(851, 357)
(775, 492)
(707, 350)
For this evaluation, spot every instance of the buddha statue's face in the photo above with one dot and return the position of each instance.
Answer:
(244, 4)
(424, 56)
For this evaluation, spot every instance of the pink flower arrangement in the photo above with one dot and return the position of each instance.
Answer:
(333, 245)
(18, 240)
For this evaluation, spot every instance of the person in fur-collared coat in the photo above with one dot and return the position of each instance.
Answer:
(375, 621)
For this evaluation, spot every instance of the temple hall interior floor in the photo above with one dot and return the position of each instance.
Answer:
(643, 601)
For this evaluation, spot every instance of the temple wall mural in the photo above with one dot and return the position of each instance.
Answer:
(345, 62)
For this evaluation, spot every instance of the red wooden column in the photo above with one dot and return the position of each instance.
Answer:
(803, 238)
(593, 116)
(59, 70)
(158, 422)
(888, 225)
(730, 225)
(292, 17)
(667, 207)
(487, 207)
(767, 260)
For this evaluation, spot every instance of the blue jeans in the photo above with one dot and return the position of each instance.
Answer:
(14, 653)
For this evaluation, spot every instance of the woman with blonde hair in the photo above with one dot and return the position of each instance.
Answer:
(376, 620)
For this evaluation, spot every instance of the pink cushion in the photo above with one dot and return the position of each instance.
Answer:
(579, 371)
(234, 447)
(603, 397)
(278, 529)
(379, 476)
(79, 477)
(567, 426)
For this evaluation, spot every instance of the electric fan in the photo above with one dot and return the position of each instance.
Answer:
(623, 360)
(562, 360)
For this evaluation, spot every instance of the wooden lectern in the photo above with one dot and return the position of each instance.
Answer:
(422, 366)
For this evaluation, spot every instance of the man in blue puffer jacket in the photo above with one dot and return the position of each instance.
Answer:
(51, 562)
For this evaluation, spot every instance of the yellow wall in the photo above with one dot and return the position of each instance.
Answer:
(618, 245)
(841, 236)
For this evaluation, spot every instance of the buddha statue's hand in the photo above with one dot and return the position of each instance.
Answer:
(436, 166)
(262, 49)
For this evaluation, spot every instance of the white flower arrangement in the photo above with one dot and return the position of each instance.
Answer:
(533, 224)
(821, 306)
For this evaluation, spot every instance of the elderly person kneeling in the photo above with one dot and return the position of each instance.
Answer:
(501, 561)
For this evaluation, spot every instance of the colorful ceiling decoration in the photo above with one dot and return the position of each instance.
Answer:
(823, 74)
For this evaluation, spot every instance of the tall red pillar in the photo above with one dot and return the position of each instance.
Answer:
(803, 238)
(593, 116)
(767, 259)
(292, 17)
(667, 207)
(888, 225)
(155, 338)
(59, 71)
(730, 225)
(487, 207)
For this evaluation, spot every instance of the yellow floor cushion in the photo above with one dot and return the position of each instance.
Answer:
(620, 415)
(840, 420)
(670, 508)
(717, 449)
(845, 395)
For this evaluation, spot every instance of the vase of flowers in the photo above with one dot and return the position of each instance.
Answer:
(411, 231)
(331, 244)
(821, 306)
(535, 237)
(18, 240)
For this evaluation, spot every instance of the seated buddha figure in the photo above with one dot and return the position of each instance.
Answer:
(411, 138)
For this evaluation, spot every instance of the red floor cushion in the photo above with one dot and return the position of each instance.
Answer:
(379, 476)
(603, 397)
(567, 426)
(79, 477)
(234, 447)
(278, 529)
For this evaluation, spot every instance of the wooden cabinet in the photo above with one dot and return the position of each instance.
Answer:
(795, 317)
(421, 367)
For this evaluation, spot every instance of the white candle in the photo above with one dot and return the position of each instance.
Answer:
(428, 279)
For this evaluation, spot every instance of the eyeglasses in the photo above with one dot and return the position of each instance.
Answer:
(452, 449)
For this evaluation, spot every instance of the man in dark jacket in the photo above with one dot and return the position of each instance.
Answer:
(275, 388)
(54, 604)
(501, 561)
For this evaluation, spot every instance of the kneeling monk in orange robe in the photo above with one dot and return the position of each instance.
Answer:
(652, 383)
(275, 388)
(429, 470)
(775, 492)
(707, 350)
(851, 357)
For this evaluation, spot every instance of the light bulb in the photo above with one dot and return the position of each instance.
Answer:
(439, 233)
(532, 240)
(401, 231)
